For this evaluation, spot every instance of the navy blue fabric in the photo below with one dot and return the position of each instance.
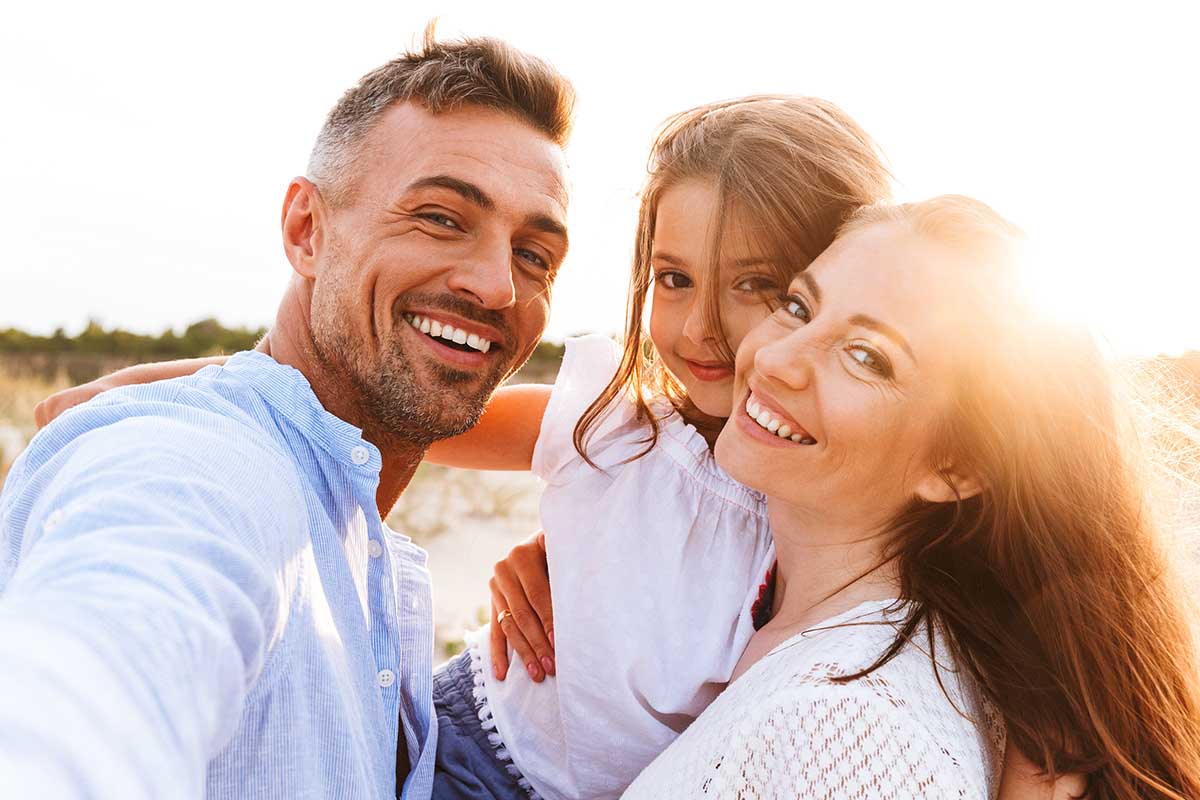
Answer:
(466, 767)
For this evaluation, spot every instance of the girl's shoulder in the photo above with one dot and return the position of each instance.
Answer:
(621, 433)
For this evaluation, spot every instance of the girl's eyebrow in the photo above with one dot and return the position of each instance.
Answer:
(658, 255)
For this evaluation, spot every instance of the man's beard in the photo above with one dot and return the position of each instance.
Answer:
(389, 392)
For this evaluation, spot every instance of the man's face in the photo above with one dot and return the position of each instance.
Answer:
(454, 229)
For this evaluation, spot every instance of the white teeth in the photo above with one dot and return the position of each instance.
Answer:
(449, 333)
(763, 417)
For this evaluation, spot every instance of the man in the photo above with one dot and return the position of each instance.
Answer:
(198, 592)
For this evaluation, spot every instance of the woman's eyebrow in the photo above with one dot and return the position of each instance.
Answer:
(883, 328)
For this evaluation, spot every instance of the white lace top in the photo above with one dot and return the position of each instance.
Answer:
(785, 730)
(654, 565)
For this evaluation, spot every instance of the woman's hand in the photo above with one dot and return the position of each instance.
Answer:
(522, 614)
(45, 411)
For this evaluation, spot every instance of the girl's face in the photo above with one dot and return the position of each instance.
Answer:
(681, 263)
(839, 391)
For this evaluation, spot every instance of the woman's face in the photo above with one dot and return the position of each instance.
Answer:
(838, 392)
(681, 262)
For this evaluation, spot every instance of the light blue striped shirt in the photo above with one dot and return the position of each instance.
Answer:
(198, 598)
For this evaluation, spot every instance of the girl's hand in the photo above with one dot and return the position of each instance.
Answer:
(522, 614)
(45, 411)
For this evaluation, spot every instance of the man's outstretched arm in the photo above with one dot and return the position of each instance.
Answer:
(139, 602)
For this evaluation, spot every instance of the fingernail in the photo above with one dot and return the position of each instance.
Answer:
(548, 663)
(499, 673)
(533, 669)
(550, 636)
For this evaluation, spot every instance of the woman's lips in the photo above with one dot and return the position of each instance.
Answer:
(709, 371)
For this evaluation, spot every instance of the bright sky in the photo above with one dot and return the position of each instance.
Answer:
(146, 149)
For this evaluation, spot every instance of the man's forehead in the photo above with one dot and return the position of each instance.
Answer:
(501, 153)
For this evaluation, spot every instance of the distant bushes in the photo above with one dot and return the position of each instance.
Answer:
(97, 350)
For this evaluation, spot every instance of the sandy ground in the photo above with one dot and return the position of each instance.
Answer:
(467, 521)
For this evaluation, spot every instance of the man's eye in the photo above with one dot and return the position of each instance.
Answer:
(795, 307)
(674, 280)
(531, 257)
(441, 220)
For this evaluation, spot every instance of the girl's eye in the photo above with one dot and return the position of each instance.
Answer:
(757, 284)
(531, 257)
(795, 307)
(871, 359)
(674, 280)
(441, 220)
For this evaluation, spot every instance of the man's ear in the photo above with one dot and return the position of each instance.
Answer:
(303, 226)
(947, 485)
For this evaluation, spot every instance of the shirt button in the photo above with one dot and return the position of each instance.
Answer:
(359, 455)
(374, 548)
(386, 678)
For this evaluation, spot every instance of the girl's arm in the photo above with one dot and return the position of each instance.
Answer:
(45, 411)
(506, 433)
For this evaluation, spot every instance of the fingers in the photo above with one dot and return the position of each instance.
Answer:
(523, 625)
(499, 645)
(534, 574)
(46, 411)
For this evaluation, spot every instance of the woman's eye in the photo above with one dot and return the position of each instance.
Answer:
(794, 306)
(871, 359)
(674, 280)
(531, 257)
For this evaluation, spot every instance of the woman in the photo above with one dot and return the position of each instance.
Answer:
(962, 549)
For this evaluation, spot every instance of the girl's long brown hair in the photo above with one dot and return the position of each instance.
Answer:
(793, 166)
(1053, 584)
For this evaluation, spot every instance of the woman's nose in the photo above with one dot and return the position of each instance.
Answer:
(789, 360)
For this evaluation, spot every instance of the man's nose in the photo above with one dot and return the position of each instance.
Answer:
(790, 361)
(485, 276)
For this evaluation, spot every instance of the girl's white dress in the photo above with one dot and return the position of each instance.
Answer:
(785, 729)
(654, 565)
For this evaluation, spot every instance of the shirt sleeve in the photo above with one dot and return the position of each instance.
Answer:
(589, 364)
(150, 588)
(827, 741)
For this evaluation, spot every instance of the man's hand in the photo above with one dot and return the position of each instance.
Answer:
(522, 614)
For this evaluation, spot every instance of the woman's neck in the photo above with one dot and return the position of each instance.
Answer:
(825, 566)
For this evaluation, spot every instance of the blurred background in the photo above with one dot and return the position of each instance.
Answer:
(146, 149)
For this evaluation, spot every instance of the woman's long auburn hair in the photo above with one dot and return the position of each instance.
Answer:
(794, 167)
(1052, 584)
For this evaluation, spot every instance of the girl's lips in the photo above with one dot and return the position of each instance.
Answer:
(709, 372)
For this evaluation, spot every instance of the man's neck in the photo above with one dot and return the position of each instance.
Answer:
(290, 342)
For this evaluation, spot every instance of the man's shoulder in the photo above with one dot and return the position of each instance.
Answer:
(203, 424)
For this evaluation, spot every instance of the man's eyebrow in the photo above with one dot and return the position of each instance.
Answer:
(885, 329)
(547, 225)
(468, 191)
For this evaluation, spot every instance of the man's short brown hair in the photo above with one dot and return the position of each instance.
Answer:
(442, 77)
